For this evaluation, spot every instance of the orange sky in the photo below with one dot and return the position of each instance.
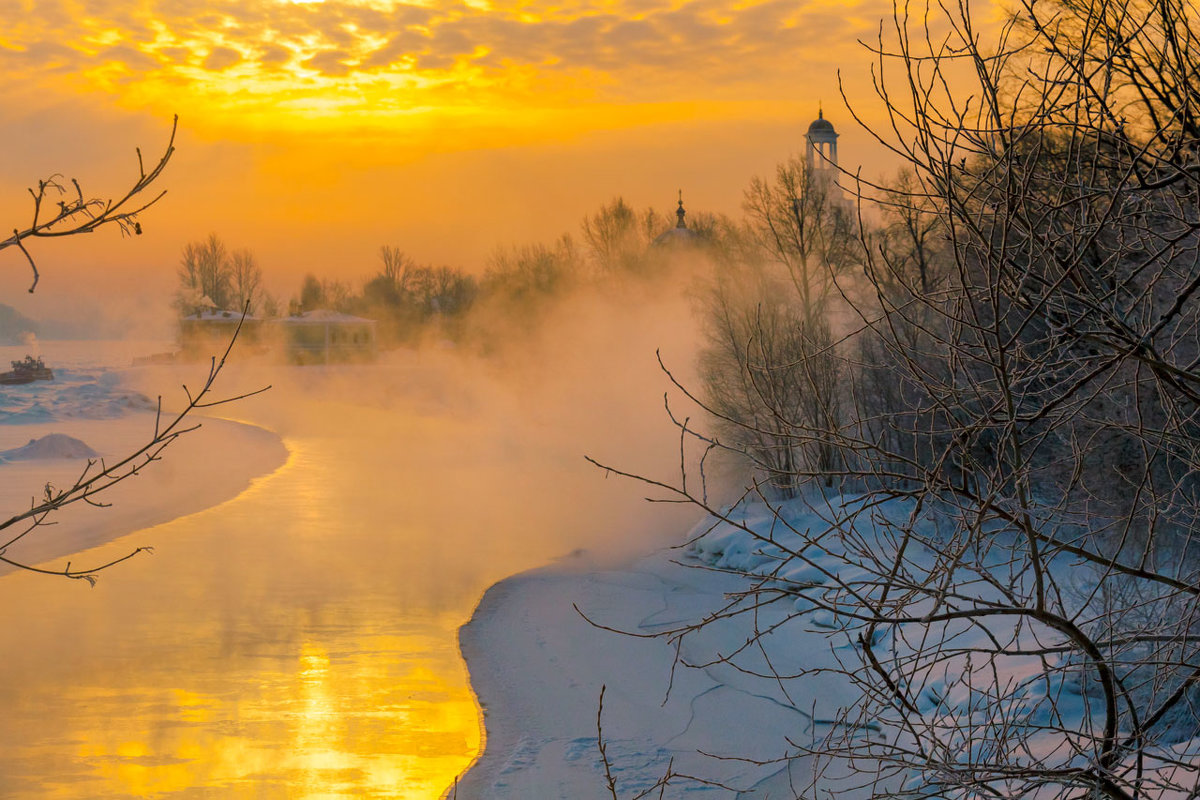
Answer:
(314, 132)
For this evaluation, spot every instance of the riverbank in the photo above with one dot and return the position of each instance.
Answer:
(537, 666)
(742, 650)
(199, 470)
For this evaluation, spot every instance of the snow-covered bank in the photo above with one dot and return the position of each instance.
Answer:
(200, 470)
(537, 667)
(768, 611)
(49, 430)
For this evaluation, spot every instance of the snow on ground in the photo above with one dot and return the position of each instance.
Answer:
(538, 666)
(50, 429)
(52, 445)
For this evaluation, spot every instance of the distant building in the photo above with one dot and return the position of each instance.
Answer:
(821, 156)
(681, 236)
(209, 332)
(821, 152)
(324, 337)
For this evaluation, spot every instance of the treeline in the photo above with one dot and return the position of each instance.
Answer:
(212, 276)
(413, 301)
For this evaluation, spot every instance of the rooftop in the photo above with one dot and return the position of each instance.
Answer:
(217, 314)
(681, 233)
(821, 125)
(322, 315)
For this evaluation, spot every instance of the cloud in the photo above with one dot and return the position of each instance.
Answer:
(330, 62)
(400, 45)
(176, 54)
(41, 56)
(221, 58)
(244, 55)
(274, 55)
(130, 58)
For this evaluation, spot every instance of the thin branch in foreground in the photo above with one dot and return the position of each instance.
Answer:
(98, 478)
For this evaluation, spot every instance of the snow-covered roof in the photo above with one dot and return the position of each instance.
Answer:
(218, 315)
(324, 315)
(679, 237)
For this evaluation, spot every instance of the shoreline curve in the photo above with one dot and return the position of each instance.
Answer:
(202, 469)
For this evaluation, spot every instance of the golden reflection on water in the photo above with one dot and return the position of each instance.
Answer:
(273, 647)
(309, 726)
(299, 641)
(305, 735)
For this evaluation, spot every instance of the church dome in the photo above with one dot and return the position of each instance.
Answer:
(820, 125)
(678, 236)
(681, 234)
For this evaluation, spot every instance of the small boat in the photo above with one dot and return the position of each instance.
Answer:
(27, 371)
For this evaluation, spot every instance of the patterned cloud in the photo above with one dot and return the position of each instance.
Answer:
(375, 55)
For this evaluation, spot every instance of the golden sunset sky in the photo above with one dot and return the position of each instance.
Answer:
(314, 132)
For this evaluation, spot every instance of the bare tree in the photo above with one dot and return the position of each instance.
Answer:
(617, 237)
(766, 367)
(396, 267)
(245, 280)
(800, 221)
(770, 370)
(211, 276)
(525, 274)
(1014, 569)
(205, 276)
(336, 294)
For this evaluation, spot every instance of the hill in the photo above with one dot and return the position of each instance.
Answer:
(15, 326)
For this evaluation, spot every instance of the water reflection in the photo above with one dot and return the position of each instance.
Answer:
(223, 669)
(299, 641)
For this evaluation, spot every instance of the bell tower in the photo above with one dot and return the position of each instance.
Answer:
(822, 151)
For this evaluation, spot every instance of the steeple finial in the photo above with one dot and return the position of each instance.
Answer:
(680, 213)
(820, 110)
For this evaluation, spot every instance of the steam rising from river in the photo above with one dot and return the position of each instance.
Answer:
(480, 459)
(301, 637)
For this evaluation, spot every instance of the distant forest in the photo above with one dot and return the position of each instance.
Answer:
(413, 301)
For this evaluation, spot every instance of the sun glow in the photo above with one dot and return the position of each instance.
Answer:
(274, 694)
(503, 66)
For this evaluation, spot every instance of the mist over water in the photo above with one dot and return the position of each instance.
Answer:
(299, 640)
(489, 450)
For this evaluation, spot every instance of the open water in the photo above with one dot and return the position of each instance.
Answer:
(299, 640)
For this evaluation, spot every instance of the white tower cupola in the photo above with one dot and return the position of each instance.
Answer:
(822, 146)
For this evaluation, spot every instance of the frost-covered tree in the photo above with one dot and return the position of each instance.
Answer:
(211, 276)
(1010, 556)
(770, 371)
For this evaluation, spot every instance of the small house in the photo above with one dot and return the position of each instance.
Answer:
(208, 332)
(324, 337)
